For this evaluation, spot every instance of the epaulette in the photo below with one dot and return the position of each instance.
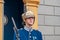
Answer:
(37, 30)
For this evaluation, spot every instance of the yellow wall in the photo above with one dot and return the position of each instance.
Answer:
(1, 26)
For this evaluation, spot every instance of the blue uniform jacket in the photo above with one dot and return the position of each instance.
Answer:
(26, 35)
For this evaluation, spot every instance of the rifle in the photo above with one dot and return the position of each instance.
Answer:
(15, 30)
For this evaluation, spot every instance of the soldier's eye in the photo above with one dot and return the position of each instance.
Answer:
(30, 17)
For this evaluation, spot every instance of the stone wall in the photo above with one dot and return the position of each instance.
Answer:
(49, 19)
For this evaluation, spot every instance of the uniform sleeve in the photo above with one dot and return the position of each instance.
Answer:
(40, 35)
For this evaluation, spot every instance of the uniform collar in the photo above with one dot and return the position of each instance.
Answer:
(28, 29)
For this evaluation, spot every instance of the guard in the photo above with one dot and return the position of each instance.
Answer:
(27, 33)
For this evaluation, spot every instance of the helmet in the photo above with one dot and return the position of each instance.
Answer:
(27, 15)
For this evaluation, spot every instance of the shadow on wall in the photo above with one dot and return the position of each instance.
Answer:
(12, 8)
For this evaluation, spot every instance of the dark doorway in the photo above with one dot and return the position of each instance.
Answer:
(12, 8)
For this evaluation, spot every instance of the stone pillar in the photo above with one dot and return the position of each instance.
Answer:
(1, 15)
(32, 5)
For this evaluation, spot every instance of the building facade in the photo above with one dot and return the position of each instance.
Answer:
(48, 19)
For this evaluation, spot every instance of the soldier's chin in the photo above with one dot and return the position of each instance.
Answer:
(31, 24)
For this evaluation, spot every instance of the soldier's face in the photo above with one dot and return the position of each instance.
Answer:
(30, 21)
